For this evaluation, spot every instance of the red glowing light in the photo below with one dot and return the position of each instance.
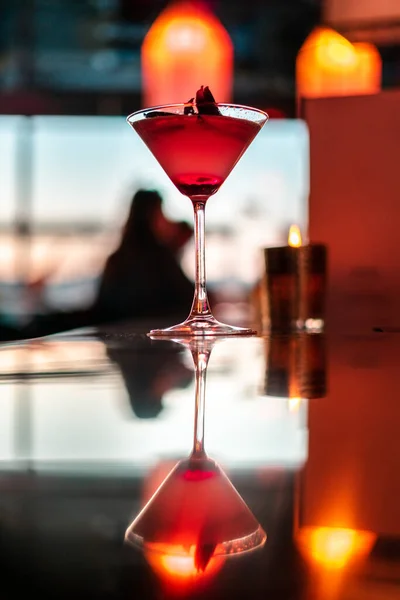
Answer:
(186, 47)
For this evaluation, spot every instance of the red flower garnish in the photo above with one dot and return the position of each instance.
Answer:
(203, 555)
(205, 102)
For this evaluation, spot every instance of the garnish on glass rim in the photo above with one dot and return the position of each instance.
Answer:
(158, 113)
(203, 555)
(205, 103)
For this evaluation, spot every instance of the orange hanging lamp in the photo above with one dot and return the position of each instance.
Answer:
(186, 47)
(329, 65)
(369, 73)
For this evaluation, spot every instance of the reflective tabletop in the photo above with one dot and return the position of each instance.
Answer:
(304, 430)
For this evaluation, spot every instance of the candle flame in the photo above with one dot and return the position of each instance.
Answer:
(294, 404)
(294, 237)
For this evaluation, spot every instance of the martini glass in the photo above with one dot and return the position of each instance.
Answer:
(198, 151)
(196, 513)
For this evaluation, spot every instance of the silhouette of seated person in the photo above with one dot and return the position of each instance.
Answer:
(143, 277)
(149, 372)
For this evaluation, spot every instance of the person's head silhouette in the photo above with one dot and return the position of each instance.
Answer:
(145, 266)
(146, 206)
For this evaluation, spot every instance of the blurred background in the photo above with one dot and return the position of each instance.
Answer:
(70, 73)
(90, 423)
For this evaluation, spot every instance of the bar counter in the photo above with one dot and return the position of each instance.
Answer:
(306, 427)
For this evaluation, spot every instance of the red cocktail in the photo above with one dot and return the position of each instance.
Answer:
(197, 153)
(198, 145)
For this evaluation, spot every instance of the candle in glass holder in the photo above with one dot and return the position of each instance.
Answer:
(312, 263)
(293, 286)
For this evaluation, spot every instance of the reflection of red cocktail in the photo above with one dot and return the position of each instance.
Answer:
(197, 152)
(196, 515)
(197, 507)
(198, 144)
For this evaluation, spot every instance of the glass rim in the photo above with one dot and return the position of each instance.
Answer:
(138, 113)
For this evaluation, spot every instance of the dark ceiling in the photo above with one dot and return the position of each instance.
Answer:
(83, 56)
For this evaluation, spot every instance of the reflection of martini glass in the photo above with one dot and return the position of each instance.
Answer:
(198, 151)
(196, 512)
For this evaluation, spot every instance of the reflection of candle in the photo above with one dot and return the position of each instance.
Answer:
(293, 294)
(295, 367)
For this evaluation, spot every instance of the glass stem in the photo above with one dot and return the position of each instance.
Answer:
(200, 359)
(200, 304)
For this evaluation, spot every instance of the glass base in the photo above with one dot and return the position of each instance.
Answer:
(201, 326)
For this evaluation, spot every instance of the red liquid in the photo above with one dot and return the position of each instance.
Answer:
(197, 152)
(196, 506)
